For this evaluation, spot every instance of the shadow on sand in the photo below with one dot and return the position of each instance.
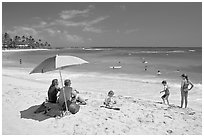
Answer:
(29, 114)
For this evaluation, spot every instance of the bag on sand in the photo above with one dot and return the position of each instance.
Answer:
(74, 108)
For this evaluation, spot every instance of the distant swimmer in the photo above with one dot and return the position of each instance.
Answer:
(20, 61)
(158, 72)
(144, 61)
(145, 68)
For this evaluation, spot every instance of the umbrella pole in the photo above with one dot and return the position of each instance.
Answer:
(63, 91)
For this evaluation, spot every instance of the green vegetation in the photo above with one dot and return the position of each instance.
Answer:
(22, 42)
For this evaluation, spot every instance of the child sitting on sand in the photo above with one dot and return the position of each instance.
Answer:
(109, 100)
(166, 91)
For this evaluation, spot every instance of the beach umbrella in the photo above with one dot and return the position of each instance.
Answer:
(58, 62)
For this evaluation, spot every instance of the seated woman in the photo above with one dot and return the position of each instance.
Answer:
(52, 91)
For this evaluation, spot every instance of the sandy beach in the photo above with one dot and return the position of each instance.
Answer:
(145, 115)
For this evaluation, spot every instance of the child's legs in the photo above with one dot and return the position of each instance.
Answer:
(163, 97)
(167, 99)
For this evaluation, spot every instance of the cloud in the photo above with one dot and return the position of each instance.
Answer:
(21, 30)
(68, 23)
(51, 35)
(57, 30)
(69, 14)
(86, 26)
(92, 29)
(77, 24)
(73, 38)
(62, 36)
(97, 20)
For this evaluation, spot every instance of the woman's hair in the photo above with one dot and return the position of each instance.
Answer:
(110, 92)
(54, 82)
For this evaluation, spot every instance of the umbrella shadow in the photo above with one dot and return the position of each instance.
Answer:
(29, 114)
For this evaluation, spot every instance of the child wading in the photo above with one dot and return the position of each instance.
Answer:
(166, 91)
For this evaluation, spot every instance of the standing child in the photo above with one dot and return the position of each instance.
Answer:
(166, 91)
(185, 88)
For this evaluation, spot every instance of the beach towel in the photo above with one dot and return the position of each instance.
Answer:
(42, 108)
(54, 113)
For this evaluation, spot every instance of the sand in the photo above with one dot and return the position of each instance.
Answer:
(142, 114)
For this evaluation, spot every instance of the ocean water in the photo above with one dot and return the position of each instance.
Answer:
(171, 62)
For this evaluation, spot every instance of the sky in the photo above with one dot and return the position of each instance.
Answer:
(85, 24)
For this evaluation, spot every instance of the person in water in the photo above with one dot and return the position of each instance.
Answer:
(158, 72)
(185, 82)
(166, 92)
(52, 91)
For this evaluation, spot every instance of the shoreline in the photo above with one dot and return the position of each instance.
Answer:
(22, 50)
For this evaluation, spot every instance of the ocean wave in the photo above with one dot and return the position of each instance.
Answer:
(96, 49)
(158, 52)
(191, 50)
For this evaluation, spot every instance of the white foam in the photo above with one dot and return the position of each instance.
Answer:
(96, 49)
(21, 50)
(159, 52)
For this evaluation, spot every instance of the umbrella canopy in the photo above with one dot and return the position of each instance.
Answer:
(57, 62)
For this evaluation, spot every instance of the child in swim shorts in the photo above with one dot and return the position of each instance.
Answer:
(166, 92)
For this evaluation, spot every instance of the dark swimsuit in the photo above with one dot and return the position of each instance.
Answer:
(166, 93)
(52, 94)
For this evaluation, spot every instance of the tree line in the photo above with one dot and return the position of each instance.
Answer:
(22, 42)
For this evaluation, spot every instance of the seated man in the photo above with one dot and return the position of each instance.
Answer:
(70, 94)
(67, 91)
